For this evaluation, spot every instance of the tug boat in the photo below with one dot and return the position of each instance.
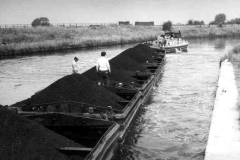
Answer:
(171, 42)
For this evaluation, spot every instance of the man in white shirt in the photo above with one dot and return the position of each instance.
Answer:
(103, 68)
(74, 65)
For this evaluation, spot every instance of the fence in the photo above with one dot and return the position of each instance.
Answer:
(76, 25)
(59, 25)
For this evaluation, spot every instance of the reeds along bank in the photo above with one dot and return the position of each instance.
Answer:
(28, 40)
(24, 40)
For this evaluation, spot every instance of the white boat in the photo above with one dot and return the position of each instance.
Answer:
(170, 43)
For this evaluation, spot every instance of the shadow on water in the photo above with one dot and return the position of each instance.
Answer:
(220, 44)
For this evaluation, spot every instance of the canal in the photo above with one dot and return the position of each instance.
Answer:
(173, 124)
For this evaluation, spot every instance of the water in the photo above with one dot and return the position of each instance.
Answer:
(172, 125)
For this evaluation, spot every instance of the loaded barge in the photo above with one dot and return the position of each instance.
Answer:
(97, 128)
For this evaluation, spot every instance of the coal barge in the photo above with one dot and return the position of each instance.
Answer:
(95, 118)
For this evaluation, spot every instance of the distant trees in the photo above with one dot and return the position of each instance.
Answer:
(194, 22)
(234, 21)
(42, 21)
(167, 26)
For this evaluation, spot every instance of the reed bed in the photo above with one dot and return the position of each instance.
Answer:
(233, 55)
(209, 32)
(40, 39)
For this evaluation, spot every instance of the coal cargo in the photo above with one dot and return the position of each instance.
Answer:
(137, 55)
(123, 62)
(145, 49)
(116, 75)
(23, 139)
(75, 87)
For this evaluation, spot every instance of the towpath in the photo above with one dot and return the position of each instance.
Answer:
(224, 135)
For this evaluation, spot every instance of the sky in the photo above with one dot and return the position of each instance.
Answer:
(112, 11)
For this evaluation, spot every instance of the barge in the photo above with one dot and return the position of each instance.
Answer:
(90, 125)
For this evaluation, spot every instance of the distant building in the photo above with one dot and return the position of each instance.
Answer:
(144, 23)
(123, 22)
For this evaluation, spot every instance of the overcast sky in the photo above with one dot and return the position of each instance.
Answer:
(112, 11)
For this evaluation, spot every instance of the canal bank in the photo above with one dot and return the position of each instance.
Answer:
(19, 41)
(224, 137)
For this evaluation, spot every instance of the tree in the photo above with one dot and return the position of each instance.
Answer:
(202, 22)
(42, 21)
(197, 23)
(213, 23)
(167, 26)
(220, 19)
(190, 22)
(193, 22)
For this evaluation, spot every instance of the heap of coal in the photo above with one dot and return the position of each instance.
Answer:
(75, 87)
(117, 75)
(23, 139)
(139, 56)
(146, 50)
(126, 63)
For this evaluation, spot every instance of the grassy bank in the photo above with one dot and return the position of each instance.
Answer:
(209, 32)
(29, 40)
(233, 55)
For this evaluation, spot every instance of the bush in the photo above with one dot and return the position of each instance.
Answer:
(167, 26)
(220, 19)
(42, 21)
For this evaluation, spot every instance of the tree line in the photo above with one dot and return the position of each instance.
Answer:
(219, 20)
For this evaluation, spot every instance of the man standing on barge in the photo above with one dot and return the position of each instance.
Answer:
(74, 65)
(103, 68)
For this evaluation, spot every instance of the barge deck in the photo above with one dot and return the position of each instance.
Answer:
(113, 131)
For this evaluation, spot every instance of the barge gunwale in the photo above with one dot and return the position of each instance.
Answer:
(107, 145)
(102, 148)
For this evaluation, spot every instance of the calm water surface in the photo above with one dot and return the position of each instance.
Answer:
(172, 125)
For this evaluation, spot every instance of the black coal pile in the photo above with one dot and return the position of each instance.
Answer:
(26, 140)
(117, 75)
(146, 50)
(138, 55)
(126, 63)
(75, 87)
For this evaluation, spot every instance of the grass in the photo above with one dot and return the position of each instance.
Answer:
(29, 40)
(233, 55)
(209, 32)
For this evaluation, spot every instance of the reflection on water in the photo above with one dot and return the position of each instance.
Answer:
(220, 44)
(173, 124)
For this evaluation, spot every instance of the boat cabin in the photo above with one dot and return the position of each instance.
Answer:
(173, 34)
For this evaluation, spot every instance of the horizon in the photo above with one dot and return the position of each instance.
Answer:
(112, 11)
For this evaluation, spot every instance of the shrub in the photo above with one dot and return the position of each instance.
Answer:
(42, 21)
(220, 19)
(167, 26)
